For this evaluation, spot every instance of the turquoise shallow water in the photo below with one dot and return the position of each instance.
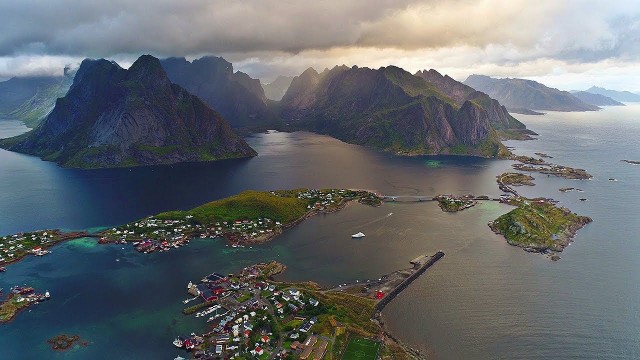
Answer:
(485, 299)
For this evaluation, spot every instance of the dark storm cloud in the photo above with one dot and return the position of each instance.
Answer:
(105, 28)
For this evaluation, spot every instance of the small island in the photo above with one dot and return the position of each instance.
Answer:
(544, 155)
(538, 225)
(528, 160)
(515, 179)
(531, 164)
(453, 203)
(556, 170)
(252, 314)
(569, 189)
(65, 342)
(18, 299)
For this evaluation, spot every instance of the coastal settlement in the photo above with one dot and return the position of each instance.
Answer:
(251, 315)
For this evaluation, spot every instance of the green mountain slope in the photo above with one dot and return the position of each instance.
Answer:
(114, 117)
(389, 109)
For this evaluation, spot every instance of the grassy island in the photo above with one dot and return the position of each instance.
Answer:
(538, 225)
(451, 203)
(515, 179)
(556, 170)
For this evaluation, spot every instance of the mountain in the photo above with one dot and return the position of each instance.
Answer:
(34, 110)
(527, 94)
(15, 91)
(499, 117)
(388, 109)
(276, 89)
(236, 96)
(595, 99)
(625, 96)
(113, 117)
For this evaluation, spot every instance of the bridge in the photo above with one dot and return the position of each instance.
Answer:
(407, 198)
(424, 198)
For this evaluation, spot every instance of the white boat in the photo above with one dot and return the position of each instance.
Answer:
(358, 235)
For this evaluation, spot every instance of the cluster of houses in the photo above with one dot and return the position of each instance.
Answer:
(15, 246)
(246, 312)
(449, 202)
(323, 199)
(152, 234)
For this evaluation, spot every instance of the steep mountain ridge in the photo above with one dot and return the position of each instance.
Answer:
(596, 99)
(498, 115)
(235, 95)
(527, 94)
(114, 117)
(626, 96)
(388, 109)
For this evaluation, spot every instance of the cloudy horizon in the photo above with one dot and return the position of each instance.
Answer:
(568, 44)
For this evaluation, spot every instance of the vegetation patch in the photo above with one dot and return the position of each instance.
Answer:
(538, 225)
(516, 179)
(361, 349)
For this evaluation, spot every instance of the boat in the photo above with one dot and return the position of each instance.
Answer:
(178, 342)
(3, 269)
(358, 235)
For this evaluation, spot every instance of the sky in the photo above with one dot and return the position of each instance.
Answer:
(568, 44)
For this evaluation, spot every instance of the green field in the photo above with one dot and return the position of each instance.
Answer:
(361, 349)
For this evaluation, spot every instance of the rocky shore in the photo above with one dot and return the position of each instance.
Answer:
(539, 225)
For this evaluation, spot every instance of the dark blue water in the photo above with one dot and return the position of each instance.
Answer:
(486, 299)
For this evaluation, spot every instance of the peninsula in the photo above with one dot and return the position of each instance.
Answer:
(251, 217)
(18, 299)
(252, 314)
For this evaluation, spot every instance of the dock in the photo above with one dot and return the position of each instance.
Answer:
(424, 262)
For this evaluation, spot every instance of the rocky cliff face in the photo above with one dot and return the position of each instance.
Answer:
(114, 117)
(498, 115)
(239, 98)
(388, 109)
(276, 89)
(527, 94)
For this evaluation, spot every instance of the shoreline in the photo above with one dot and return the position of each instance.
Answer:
(232, 238)
(63, 236)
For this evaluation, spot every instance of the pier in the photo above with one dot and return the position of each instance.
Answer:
(406, 282)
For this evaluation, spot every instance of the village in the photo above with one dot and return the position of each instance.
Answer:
(250, 316)
(18, 299)
(14, 247)
(162, 233)
(242, 220)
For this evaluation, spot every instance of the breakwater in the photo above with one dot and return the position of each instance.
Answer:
(406, 282)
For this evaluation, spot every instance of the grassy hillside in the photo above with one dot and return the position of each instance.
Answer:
(246, 205)
(538, 224)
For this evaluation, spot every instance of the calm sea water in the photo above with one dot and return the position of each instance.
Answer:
(485, 299)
